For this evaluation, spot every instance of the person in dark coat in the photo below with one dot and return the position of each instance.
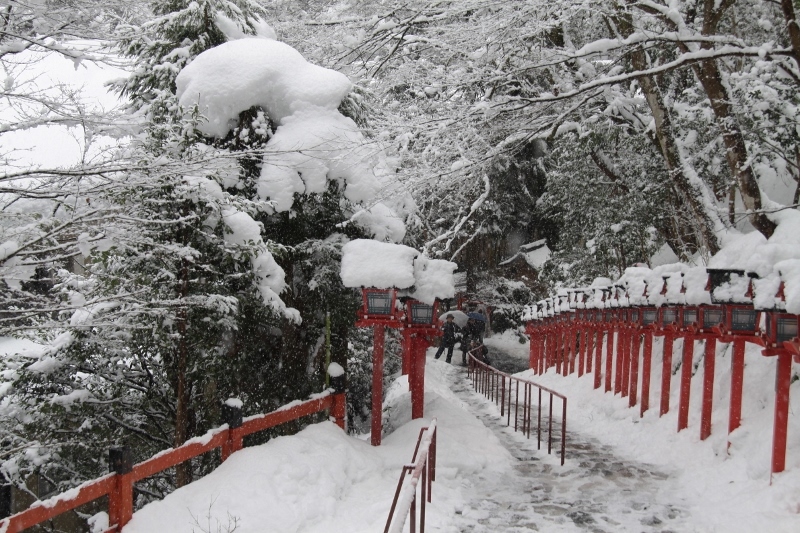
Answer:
(479, 351)
(480, 325)
(469, 334)
(448, 338)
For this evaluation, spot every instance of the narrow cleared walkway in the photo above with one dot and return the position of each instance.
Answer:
(594, 491)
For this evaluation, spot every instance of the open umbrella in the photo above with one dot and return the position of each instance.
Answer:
(477, 316)
(459, 317)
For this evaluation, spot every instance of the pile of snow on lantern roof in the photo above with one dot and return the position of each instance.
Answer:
(381, 265)
(755, 270)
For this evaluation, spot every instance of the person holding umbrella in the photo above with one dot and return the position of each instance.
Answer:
(448, 339)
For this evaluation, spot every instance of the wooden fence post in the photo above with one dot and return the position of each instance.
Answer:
(339, 407)
(120, 500)
(231, 415)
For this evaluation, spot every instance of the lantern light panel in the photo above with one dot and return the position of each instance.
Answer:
(711, 318)
(743, 319)
(689, 317)
(421, 313)
(786, 329)
(669, 315)
(379, 303)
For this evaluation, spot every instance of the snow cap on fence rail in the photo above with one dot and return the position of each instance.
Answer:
(370, 263)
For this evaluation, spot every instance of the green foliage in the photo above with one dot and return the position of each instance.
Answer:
(605, 224)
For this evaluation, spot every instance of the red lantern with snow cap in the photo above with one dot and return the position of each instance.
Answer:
(379, 307)
(733, 290)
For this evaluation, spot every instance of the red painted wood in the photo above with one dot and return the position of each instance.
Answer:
(119, 488)
(666, 372)
(276, 418)
(168, 459)
(609, 354)
(532, 359)
(559, 349)
(783, 380)
(633, 357)
(339, 409)
(686, 382)
(598, 350)
(581, 355)
(588, 352)
(377, 386)
(542, 354)
(626, 363)
(610, 360)
(737, 384)
(708, 387)
(573, 355)
(120, 502)
(620, 362)
(418, 348)
(647, 357)
(598, 363)
(54, 507)
(407, 353)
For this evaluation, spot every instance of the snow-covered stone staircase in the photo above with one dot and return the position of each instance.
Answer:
(594, 491)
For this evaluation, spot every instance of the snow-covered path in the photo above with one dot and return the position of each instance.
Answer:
(594, 491)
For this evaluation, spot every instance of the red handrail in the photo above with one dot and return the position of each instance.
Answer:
(422, 467)
(492, 383)
(119, 487)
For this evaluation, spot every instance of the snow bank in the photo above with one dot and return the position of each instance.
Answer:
(723, 488)
(240, 74)
(322, 480)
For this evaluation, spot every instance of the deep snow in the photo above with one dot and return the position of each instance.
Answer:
(622, 473)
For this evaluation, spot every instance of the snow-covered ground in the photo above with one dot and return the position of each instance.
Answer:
(622, 473)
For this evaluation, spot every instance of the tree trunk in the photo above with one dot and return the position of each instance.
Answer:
(796, 199)
(735, 149)
(793, 28)
(690, 192)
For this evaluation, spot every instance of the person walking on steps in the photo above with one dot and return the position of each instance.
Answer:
(448, 339)
(480, 325)
(470, 332)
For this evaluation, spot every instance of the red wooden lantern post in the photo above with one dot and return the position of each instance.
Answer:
(532, 330)
(378, 311)
(666, 326)
(710, 317)
(739, 325)
(687, 325)
(647, 325)
(419, 329)
(781, 341)
(583, 341)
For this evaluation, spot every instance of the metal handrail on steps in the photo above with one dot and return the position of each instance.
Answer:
(492, 383)
(422, 468)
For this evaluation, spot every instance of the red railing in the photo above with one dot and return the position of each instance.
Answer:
(492, 383)
(119, 485)
(422, 468)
